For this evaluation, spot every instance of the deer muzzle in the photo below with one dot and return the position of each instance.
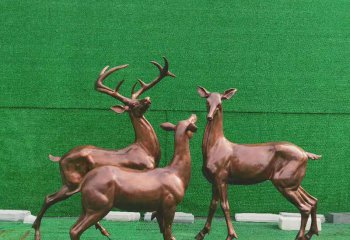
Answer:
(211, 114)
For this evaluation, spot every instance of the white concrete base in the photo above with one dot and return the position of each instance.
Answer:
(293, 223)
(180, 217)
(123, 216)
(256, 217)
(286, 214)
(29, 219)
(343, 217)
(13, 215)
(147, 217)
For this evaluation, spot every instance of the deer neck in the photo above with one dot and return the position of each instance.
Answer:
(145, 136)
(182, 158)
(213, 133)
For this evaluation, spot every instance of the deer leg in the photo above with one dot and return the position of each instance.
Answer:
(226, 209)
(160, 220)
(296, 199)
(313, 202)
(168, 218)
(84, 222)
(61, 195)
(212, 209)
(103, 231)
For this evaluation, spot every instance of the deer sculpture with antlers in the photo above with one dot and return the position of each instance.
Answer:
(144, 153)
(224, 162)
(160, 189)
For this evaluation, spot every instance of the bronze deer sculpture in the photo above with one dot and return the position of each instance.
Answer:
(144, 153)
(225, 162)
(159, 190)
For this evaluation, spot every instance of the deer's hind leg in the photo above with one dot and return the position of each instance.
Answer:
(313, 202)
(96, 205)
(295, 197)
(50, 200)
(168, 218)
(103, 231)
(86, 220)
(160, 220)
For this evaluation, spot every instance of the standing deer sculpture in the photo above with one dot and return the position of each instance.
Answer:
(225, 162)
(144, 153)
(160, 189)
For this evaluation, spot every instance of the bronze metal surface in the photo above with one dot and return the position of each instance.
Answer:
(159, 190)
(225, 162)
(144, 153)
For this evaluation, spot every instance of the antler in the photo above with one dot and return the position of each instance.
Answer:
(164, 71)
(104, 89)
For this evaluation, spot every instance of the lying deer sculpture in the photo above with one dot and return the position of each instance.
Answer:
(224, 162)
(144, 153)
(160, 189)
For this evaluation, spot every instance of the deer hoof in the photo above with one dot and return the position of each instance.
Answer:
(200, 236)
(105, 233)
(232, 236)
(37, 235)
(309, 235)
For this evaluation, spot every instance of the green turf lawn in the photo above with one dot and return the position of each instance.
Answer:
(58, 228)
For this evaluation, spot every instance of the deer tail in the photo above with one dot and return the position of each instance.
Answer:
(54, 159)
(313, 156)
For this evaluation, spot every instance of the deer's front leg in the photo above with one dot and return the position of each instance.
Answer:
(212, 209)
(222, 187)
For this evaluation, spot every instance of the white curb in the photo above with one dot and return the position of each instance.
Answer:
(29, 219)
(180, 217)
(339, 217)
(123, 216)
(286, 214)
(293, 223)
(13, 215)
(256, 217)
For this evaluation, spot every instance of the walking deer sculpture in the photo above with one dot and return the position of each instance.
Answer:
(144, 153)
(224, 162)
(159, 190)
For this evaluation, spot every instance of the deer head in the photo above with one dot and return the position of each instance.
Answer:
(214, 100)
(187, 127)
(135, 106)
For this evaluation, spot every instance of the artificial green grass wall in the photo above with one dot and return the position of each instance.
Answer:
(289, 61)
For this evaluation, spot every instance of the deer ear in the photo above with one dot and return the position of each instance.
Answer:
(229, 93)
(204, 93)
(119, 108)
(167, 126)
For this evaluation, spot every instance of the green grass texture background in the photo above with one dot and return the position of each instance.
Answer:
(289, 61)
(58, 229)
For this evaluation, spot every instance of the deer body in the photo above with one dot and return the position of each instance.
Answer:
(144, 153)
(226, 163)
(159, 190)
(245, 164)
(144, 193)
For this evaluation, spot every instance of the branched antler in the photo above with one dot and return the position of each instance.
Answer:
(164, 72)
(104, 89)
